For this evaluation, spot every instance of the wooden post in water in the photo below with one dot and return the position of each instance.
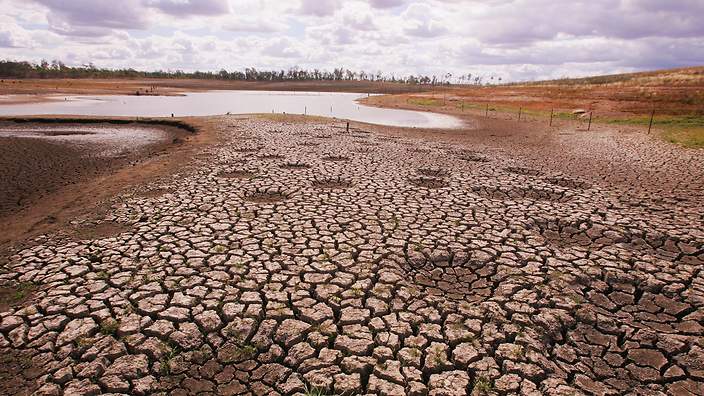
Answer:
(589, 127)
(552, 111)
(650, 126)
(348, 126)
(305, 110)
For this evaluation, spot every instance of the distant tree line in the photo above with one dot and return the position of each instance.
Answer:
(57, 69)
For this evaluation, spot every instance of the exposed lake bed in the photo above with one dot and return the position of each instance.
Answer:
(387, 247)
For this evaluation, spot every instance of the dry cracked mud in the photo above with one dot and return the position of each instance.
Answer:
(402, 269)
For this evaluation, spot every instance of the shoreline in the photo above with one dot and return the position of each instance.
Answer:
(59, 179)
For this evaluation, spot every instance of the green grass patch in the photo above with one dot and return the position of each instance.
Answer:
(426, 101)
(687, 131)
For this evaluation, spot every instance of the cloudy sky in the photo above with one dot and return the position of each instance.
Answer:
(512, 39)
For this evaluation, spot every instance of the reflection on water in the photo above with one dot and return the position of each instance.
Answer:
(340, 105)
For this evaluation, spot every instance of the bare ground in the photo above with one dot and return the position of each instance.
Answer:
(506, 259)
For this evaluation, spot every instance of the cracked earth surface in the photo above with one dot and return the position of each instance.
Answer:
(297, 258)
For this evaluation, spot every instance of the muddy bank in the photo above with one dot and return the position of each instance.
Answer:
(42, 162)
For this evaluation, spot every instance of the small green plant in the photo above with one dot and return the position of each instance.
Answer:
(23, 290)
(438, 356)
(577, 299)
(483, 385)
(518, 352)
(457, 326)
(357, 291)
(468, 338)
(84, 342)
(313, 391)
(247, 351)
(219, 249)
(170, 352)
(109, 327)
(396, 221)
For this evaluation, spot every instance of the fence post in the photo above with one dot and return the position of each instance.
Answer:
(590, 121)
(486, 114)
(520, 110)
(650, 126)
(348, 126)
(552, 111)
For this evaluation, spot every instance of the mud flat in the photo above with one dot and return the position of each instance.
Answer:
(38, 158)
(293, 257)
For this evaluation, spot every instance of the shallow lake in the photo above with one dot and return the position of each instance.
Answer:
(338, 105)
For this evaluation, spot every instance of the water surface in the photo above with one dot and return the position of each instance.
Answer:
(339, 105)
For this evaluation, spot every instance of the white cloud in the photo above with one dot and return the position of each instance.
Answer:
(512, 38)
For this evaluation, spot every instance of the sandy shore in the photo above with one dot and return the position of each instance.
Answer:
(275, 254)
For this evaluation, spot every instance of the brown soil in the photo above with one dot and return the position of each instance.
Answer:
(11, 296)
(19, 373)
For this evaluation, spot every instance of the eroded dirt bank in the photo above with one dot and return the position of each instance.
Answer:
(293, 257)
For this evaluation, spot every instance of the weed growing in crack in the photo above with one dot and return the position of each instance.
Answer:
(109, 327)
(84, 342)
(219, 249)
(313, 391)
(418, 247)
(22, 291)
(518, 352)
(483, 385)
(170, 352)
